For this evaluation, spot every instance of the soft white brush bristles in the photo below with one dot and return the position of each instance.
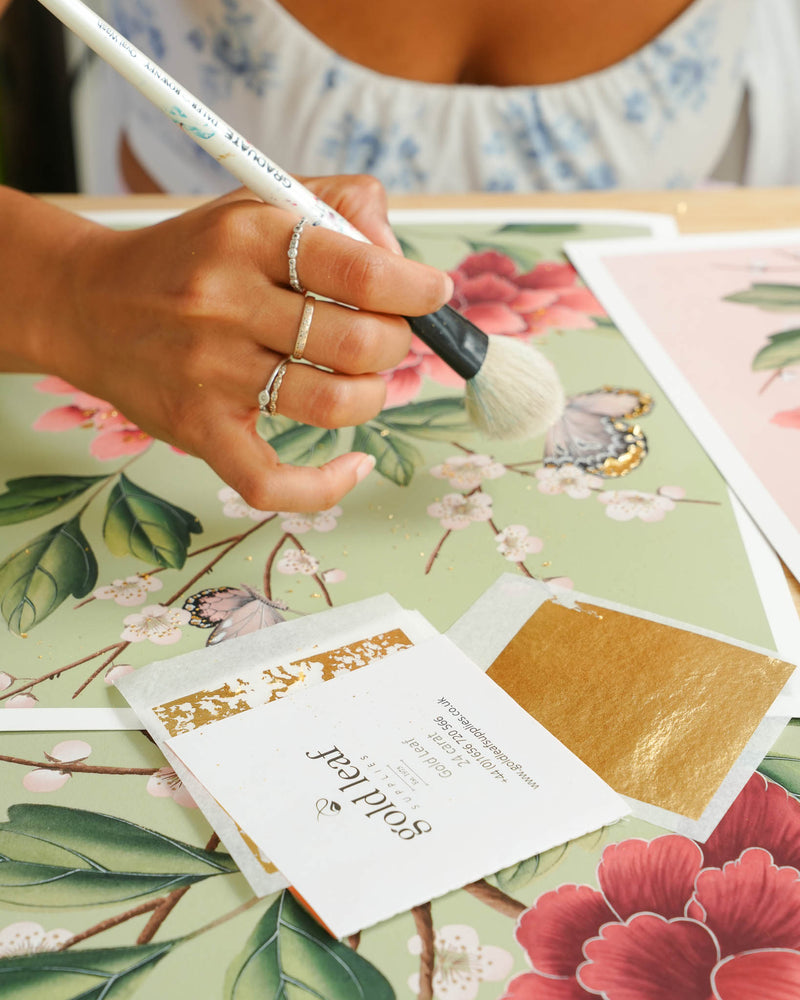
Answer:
(516, 393)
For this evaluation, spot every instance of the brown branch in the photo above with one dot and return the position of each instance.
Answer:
(436, 551)
(122, 647)
(168, 903)
(496, 898)
(60, 670)
(268, 566)
(427, 957)
(77, 766)
(106, 925)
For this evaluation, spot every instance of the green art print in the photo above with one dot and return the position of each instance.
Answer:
(116, 551)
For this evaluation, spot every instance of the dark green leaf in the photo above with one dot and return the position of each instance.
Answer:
(395, 458)
(90, 974)
(37, 578)
(33, 496)
(299, 444)
(56, 856)
(539, 228)
(784, 769)
(142, 524)
(771, 297)
(525, 257)
(437, 419)
(782, 350)
(290, 957)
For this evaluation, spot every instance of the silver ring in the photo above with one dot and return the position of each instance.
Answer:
(305, 326)
(292, 254)
(268, 397)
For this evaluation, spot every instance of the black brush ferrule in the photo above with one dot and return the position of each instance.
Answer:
(459, 343)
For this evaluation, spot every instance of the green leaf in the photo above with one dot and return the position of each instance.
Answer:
(37, 578)
(539, 228)
(782, 350)
(435, 419)
(56, 856)
(516, 877)
(299, 444)
(290, 957)
(525, 257)
(90, 974)
(33, 496)
(771, 297)
(142, 524)
(395, 458)
(784, 769)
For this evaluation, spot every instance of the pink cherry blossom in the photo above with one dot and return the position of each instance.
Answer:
(299, 524)
(165, 783)
(466, 472)
(131, 591)
(673, 492)
(625, 505)
(461, 963)
(674, 918)
(456, 512)
(26, 700)
(156, 623)
(515, 543)
(6, 680)
(28, 938)
(295, 561)
(113, 674)
(43, 779)
(333, 576)
(569, 479)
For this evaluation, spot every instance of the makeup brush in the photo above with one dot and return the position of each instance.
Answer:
(511, 389)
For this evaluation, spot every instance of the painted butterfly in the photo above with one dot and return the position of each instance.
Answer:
(594, 435)
(232, 611)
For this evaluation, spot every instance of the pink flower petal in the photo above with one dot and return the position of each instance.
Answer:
(62, 418)
(70, 751)
(402, 385)
(762, 815)
(554, 929)
(751, 903)
(116, 443)
(487, 261)
(45, 780)
(548, 274)
(650, 958)
(561, 318)
(760, 975)
(530, 986)
(533, 299)
(658, 875)
(787, 418)
(495, 317)
(488, 288)
(581, 299)
(433, 367)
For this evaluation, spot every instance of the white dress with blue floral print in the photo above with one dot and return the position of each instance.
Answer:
(660, 118)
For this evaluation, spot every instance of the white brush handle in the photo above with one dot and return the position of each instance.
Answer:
(249, 165)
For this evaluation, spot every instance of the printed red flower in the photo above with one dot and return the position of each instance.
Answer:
(674, 918)
(492, 294)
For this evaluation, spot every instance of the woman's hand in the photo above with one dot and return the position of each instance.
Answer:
(180, 326)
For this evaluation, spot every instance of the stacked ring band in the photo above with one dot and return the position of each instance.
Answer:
(268, 397)
(292, 254)
(305, 326)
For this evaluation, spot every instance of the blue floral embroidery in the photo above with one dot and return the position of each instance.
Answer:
(137, 23)
(230, 56)
(388, 152)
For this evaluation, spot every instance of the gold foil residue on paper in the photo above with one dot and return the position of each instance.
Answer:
(660, 713)
(190, 711)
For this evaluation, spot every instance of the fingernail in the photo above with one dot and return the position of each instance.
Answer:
(364, 467)
(451, 288)
(392, 241)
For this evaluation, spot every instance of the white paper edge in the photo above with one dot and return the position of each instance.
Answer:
(16, 720)
(588, 258)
